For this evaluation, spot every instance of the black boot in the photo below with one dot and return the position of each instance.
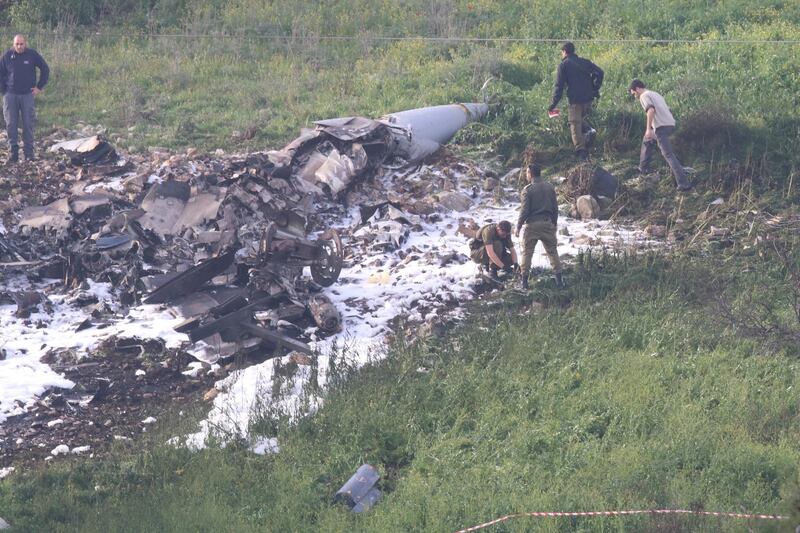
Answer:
(524, 283)
(560, 281)
(13, 156)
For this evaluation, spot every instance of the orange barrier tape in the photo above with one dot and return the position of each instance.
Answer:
(623, 513)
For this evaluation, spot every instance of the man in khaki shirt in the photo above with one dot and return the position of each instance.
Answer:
(494, 249)
(538, 214)
(660, 125)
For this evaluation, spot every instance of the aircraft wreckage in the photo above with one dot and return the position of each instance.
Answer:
(224, 242)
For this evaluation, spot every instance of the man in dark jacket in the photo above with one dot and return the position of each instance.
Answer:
(19, 86)
(583, 80)
(538, 213)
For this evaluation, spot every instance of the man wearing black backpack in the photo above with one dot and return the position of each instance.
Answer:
(583, 80)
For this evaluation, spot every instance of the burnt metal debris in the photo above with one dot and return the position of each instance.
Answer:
(360, 493)
(225, 240)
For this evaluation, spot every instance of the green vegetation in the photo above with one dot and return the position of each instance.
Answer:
(246, 74)
(653, 381)
(627, 392)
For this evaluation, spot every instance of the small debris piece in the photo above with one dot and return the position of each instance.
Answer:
(264, 446)
(210, 394)
(325, 313)
(61, 449)
(656, 231)
(360, 493)
(587, 207)
(297, 358)
(455, 201)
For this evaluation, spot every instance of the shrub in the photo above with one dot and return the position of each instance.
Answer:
(712, 128)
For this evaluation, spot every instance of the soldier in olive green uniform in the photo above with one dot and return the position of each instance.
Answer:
(493, 248)
(538, 212)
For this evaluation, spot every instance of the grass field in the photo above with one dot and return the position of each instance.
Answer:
(666, 380)
(629, 391)
(249, 75)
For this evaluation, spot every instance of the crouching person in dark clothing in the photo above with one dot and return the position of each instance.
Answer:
(538, 213)
(493, 248)
(19, 86)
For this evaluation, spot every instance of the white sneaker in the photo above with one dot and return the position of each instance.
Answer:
(589, 136)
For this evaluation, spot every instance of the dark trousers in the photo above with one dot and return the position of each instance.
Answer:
(662, 140)
(14, 106)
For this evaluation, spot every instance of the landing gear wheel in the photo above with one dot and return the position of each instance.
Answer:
(325, 270)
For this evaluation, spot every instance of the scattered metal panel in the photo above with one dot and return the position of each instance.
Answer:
(82, 145)
(191, 280)
(88, 150)
(27, 301)
(198, 304)
(55, 216)
(276, 338)
(163, 206)
(199, 208)
(384, 210)
(238, 324)
(211, 324)
(81, 204)
(112, 241)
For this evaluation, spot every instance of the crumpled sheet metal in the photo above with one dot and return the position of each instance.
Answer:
(83, 145)
(212, 348)
(163, 206)
(348, 128)
(337, 169)
(342, 149)
(55, 216)
(88, 150)
(384, 226)
(168, 213)
(200, 208)
(170, 207)
(82, 203)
